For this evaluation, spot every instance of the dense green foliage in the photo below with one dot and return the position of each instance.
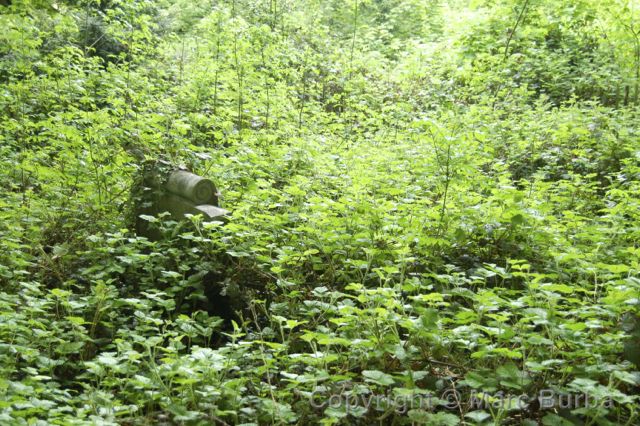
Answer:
(426, 196)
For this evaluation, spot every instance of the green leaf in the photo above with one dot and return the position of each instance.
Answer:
(555, 420)
(148, 218)
(378, 377)
(69, 347)
(517, 219)
(559, 288)
(478, 416)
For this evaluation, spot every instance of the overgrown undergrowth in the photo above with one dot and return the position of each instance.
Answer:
(435, 213)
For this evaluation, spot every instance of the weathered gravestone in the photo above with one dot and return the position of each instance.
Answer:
(178, 192)
(161, 188)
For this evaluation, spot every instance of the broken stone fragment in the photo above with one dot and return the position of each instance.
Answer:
(211, 212)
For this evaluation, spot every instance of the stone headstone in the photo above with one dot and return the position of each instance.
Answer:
(179, 193)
